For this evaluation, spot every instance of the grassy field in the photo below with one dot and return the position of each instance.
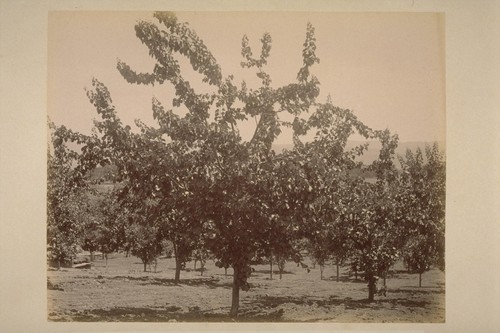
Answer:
(121, 291)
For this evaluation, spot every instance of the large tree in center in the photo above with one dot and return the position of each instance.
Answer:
(231, 209)
(196, 175)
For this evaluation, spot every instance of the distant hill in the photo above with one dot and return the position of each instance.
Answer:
(373, 149)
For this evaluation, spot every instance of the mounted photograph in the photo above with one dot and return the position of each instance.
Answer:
(265, 166)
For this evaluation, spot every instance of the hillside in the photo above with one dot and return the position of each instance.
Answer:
(372, 153)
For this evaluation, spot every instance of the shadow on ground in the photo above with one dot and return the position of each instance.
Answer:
(146, 280)
(268, 272)
(418, 290)
(345, 278)
(169, 314)
(262, 309)
(348, 303)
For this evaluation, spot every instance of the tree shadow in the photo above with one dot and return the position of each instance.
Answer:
(267, 272)
(209, 283)
(205, 282)
(349, 303)
(377, 304)
(410, 303)
(332, 301)
(345, 278)
(399, 274)
(123, 277)
(167, 314)
(262, 309)
(418, 290)
(263, 302)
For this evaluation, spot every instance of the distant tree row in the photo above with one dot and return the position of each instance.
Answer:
(193, 180)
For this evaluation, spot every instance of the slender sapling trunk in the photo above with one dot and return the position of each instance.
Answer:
(271, 263)
(235, 299)
(337, 264)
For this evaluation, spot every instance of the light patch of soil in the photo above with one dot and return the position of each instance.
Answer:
(121, 291)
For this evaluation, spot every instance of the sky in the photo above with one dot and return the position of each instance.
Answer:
(388, 68)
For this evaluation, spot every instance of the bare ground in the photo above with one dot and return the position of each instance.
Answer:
(121, 291)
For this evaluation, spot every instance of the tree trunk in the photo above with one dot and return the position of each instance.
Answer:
(385, 278)
(106, 257)
(225, 271)
(281, 266)
(145, 264)
(178, 266)
(91, 256)
(420, 279)
(337, 263)
(371, 288)
(235, 300)
(271, 263)
(195, 264)
(102, 255)
(321, 267)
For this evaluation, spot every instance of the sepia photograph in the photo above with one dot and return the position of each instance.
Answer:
(246, 166)
(263, 166)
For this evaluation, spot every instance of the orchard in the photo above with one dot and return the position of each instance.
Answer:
(192, 184)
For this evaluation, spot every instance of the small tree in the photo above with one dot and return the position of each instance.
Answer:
(89, 237)
(138, 220)
(420, 254)
(67, 187)
(201, 254)
(111, 230)
(373, 217)
(423, 193)
(144, 243)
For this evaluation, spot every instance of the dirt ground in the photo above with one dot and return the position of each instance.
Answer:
(121, 291)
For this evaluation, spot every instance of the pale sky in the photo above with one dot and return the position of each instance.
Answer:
(386, 67)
